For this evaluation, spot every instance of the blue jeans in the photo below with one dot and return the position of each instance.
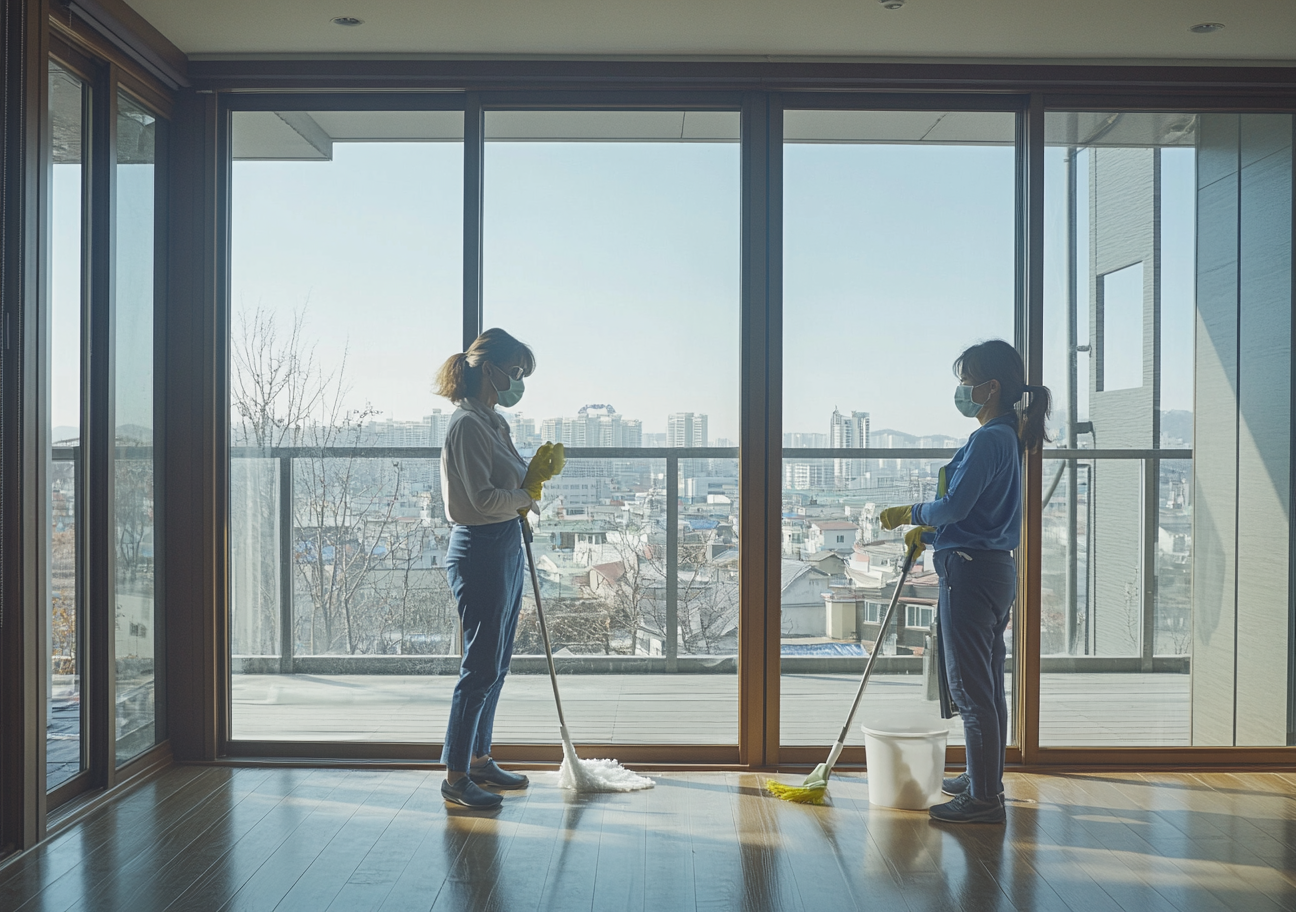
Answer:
(485, 568)
(977, 590)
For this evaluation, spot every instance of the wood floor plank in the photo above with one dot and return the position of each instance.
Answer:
(1217, 857)
(324, 879)
(380, 868)
(425, 874)
(844, 829)
(245, 856)
(815, 864)
(106, 855)
(712, 833)
(905, 841)
(470, 882)
(252, 794)
(668, 857)
(64, 855)
(285, 866)
(767, 867)
(1131, 875)
(1066, 855)
(128, 886)
(569, 882)
(620, 881)
(525, 865)
(1024, 881)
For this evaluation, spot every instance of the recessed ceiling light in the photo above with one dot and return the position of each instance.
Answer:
(348, 21)
(1205, 28)
(892, 4)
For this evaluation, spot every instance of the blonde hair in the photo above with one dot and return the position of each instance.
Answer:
(460, 375)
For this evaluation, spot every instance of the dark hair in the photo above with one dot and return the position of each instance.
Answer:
(997, 360)
(460, 375)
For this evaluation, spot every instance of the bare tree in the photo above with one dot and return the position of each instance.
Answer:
(354, 555)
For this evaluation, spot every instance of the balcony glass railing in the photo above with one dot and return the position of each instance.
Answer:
(338, 571)
(639, 583)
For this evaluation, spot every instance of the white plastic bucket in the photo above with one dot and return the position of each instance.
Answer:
(906, 760)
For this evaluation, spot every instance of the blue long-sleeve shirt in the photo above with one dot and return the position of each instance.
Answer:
(981, 506)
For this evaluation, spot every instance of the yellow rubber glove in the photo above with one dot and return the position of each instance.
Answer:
(893, 517)
(913, 540)
(557, 459)
(538, 472)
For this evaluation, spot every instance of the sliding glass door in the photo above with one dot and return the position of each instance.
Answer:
(65, 745)
(134, 505)
(345, 298)
(899, 240)
(611, 246)
(1166, 590)
(98, 398)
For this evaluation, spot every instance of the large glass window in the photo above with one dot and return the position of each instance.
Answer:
(1168, 294)
(346, 295)
(64, 748)
(899, 252)
(134, 495)
(612, 248)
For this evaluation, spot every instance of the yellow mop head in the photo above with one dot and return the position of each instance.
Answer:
(812, 791)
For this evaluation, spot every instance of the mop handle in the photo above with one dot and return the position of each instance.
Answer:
(544, 628)
(877, 648)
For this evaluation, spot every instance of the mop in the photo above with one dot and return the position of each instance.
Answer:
(812, 790)
(580, 775)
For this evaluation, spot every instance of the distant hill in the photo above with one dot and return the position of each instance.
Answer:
(134, 435)
(1177, 424)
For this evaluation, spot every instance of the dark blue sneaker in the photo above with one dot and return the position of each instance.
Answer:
(489, 773)
(966, 809)
(466, 793)
(956, 786)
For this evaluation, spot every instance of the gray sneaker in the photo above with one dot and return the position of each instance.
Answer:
(966, 809)
(956, 786)
(489, 773)
(467, 793)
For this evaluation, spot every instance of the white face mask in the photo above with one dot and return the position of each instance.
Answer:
(964, 402)
(511, 395)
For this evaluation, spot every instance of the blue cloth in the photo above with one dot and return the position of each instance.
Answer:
(485, 568)
(977, 589)
(982, 507)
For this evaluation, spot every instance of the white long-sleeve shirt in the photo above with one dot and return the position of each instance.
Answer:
(481, 470)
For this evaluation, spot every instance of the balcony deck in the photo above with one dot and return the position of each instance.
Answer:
(1077, 709)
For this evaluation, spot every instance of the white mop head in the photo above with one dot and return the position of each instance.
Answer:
(597, 775)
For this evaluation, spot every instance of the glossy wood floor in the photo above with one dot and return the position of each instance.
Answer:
(200, 838)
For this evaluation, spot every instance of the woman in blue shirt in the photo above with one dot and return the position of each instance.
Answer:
(974, 526)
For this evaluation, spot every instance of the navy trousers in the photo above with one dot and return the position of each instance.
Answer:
(977, 590)
(485, 567)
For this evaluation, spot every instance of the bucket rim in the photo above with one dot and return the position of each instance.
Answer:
(885, 733)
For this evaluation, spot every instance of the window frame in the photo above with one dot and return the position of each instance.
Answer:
(104, 79)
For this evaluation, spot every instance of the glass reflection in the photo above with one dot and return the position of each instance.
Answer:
(133, 496)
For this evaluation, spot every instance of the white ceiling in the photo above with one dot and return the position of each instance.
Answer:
(1132, 30)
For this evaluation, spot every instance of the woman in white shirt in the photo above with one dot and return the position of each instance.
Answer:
(482, 484)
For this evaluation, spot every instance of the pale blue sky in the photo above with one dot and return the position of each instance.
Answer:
(619, 263)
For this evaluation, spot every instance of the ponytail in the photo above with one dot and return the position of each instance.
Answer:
(997, 360)
(457, 379)
(1030, 426)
